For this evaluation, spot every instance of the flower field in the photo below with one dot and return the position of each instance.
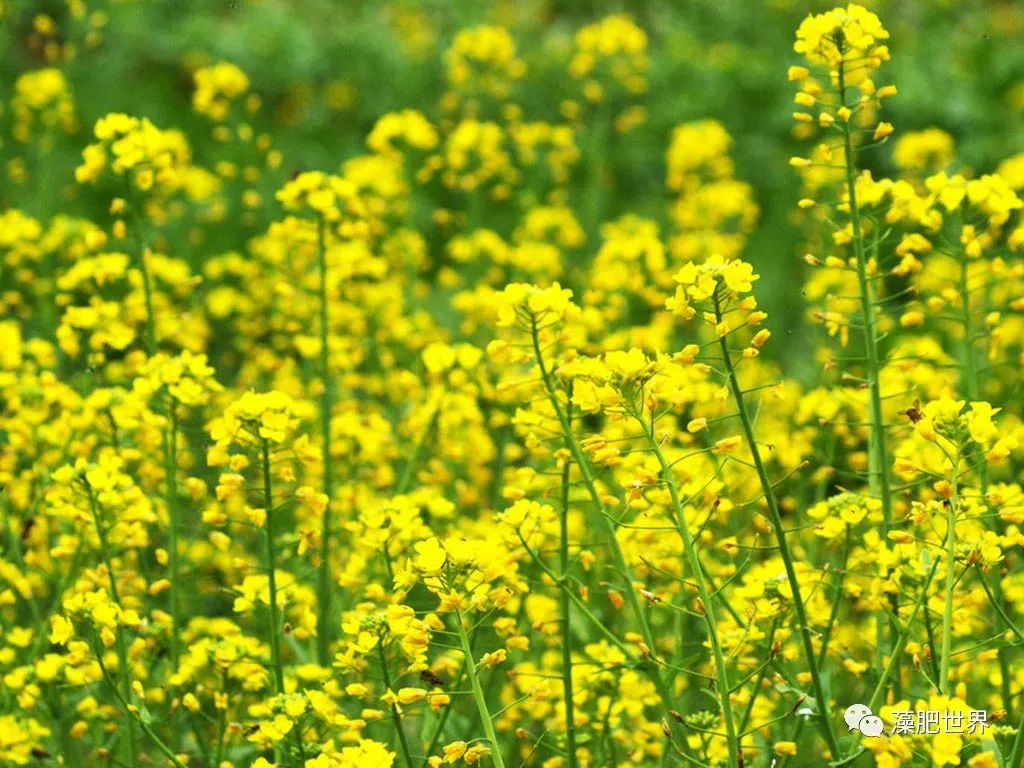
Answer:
(527, 385)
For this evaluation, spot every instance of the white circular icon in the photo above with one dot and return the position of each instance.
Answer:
(855, 713)
(871, 725)
(860, 717)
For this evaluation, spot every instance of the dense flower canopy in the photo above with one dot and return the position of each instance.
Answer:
(448, 450)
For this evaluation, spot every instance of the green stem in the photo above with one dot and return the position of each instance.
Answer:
(932, 647)
(122, 651)
(970, 367)
(760, 675)
(619, 560)
(171, 500)
(566, 617)
(410, 465)
(323, 637)
(947, 613)
(578, 601)
(275, 618)
(174, 525)
(147, 284)
(876, 697)
(973, 392)
(971, 382)
(824, 716)
(275, 621)
(878, 476)
(878, 465)
(1017, 756)
(837, 594)
(396, 716)
(478, 692)
(1000, 610)
(995, 597)
(696, 568)
(132, 716)
(439, 729)
(222, 723)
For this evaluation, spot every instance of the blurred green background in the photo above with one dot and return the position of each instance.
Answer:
(327, 69)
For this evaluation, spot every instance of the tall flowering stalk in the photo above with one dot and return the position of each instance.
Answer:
(707, 600)
(396, 715)
(539, 313)
(847, 43)
(954, 432)
(149, 163)
(174, 385)
(262, 426)
(328, 197)
(457, 571)
(326, 406)
(565, 610)
(101, 495)
(479, 697)
(123, 671)
(629, 374)
(724, 285)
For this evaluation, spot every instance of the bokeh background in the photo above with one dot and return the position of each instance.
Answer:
(326, 70)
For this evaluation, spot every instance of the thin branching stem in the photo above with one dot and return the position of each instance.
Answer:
(396, 716)
(879, 479)
(824, 712)
(173, 522)
(947, 612)
(122, 649)
(324, 586)
(706, 598)
(608, 527)
(566, 615)
(275, 620)
(478, 692)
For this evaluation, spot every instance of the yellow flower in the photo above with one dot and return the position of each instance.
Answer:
(411, 695)
(454, 751)
(475, 753)
(407, 125)
(61, 630)
(626, 365)
(979, 423)
(494, 659)
(614, 43)
(782, 748)
(430, 557)
(727, 445)
(983, 760)
(931, 148)
(216, 87)
(739, 276)
(849, 36)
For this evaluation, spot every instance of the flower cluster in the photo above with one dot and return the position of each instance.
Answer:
(217, 86)
(136, 149)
